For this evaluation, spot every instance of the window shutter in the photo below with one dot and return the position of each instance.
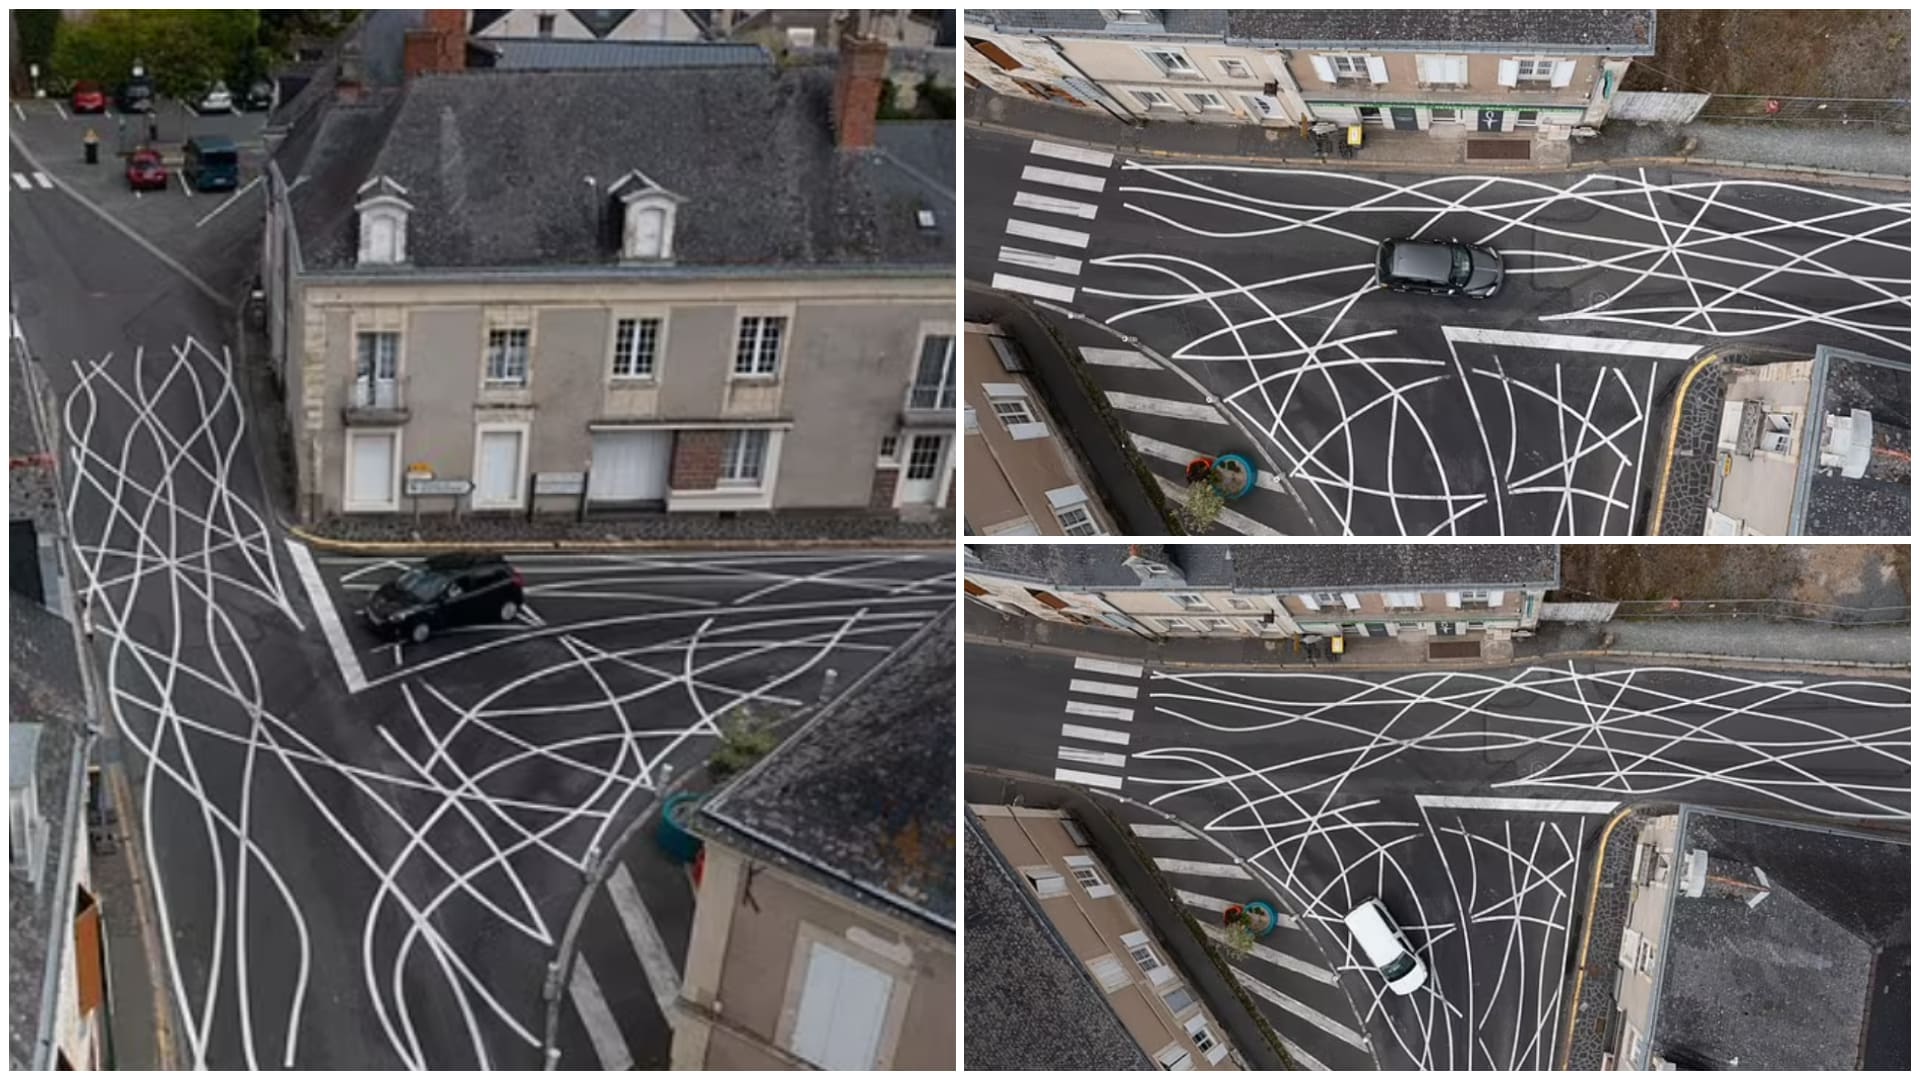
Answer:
(1509, 72)
(86, 955)
(1309, 601)
(1562, 73)
(1457, 68)
(1496, 597)
(1377, 69)
(1352, 600)
(1108, 972)
(1322, 69)
(1453, 600)
(1022, 432)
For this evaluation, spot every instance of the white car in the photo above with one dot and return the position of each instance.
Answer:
(217, 99)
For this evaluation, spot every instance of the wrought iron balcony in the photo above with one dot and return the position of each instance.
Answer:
(375, 402)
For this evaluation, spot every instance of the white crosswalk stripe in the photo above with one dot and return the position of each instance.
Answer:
(1094, 734)
(1046, 233)
(1101, 758)
(1045, 290)
(1204, 869)
(1048, 204)
(1299, 1055)
(596, 1015)
(1034, 260)
(1036, 174)
(20, 180)
(1305, 1012)
(1177, 410)
(41, 179)
(1116, 358)
(1108, 667)
(1099, 159)
(1104, 712)
(1202, 901)
(1104, 689)
(1180, 455)
(1090, 779)
(1278, 959)
(1162, 832)
(1227, 518)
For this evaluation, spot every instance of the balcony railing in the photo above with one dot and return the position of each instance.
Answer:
(376, 401)
(931, 397)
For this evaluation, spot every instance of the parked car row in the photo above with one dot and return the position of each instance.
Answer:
(209, 163)
(136, 96)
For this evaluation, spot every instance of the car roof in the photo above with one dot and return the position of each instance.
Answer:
(463, 560)
(211, 142)
(1422, 260)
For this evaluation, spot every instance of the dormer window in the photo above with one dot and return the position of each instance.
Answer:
(647, 217)
(383, 211)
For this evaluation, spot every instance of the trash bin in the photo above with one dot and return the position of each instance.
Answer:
(672, 834)
(92, 143)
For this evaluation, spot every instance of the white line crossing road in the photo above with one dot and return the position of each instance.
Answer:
(1105, 689)
(1090, 779)
(1052, 234)
(1049, 204)
(1203, 868)
(1094, 734)
(1227, 518)
(1045, 290)
(1530, 806)
(1176, 410)
(1099, 159)
(1284, 961)
(1038, 260)
(1126, 358)
(1101, 758)
(1037, 174)
(1122, 668)
(1304, 1011)
(1658, 350)
(1147, 830)
(26, 181)
(1104, 712)
(597, 1016)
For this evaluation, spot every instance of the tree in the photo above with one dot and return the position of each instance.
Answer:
(183, 51)
(36, 28)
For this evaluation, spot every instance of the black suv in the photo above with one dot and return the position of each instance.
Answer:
(443, 591)
(1441, 267)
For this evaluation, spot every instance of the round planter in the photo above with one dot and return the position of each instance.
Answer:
(1199, 469)
(1261, 918)
(1233, 475)
(672, 834)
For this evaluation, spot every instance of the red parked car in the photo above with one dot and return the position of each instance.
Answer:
(88, 97)
(145, 172)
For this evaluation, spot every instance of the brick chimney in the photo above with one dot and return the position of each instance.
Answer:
(856, 89)
(439, 46)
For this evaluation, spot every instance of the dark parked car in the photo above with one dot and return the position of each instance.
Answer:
(259, 97)
(136, 96)
(88, 97)
(443, 591)
(212, 163)
(146, 172)
(1441, 267)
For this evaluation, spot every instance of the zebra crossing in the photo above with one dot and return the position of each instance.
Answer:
(1286, 975)
(1091, 755)
(1046, 238)
(29, 181)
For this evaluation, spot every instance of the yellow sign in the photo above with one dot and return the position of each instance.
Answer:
(420, 468)
(1339, 644)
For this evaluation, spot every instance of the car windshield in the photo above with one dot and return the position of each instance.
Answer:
(1399, 968)
(217, 157)
(1462, 264)
(422, 583)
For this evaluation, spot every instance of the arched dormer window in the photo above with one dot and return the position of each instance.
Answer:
(382, 212)
(647, 218)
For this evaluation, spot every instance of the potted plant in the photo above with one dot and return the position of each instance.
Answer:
(1233, 475)
(1203, 506)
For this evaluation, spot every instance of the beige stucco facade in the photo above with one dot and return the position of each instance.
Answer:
(842, 430)
(1009, 63)
(1451, 92)
(1204, 83)
(1021, 479)
(1079, 898)
(756, 931)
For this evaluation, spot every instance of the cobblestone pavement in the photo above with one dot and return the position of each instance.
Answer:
(516, 529)
(1593, 1012)
(1689, 489)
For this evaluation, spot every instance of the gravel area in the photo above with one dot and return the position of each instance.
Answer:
(1593, 1010)
(508, 530)
(1765, 640)
(1689, 491)
(1854, 148)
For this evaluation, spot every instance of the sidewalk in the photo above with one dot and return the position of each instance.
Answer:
(1727, 640)
(1845, 153)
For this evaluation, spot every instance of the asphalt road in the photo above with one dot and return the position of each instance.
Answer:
(1468, 801)
(1530, 413)
(363, 857)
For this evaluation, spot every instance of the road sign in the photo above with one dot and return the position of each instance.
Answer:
(417, 485)
(559, 483)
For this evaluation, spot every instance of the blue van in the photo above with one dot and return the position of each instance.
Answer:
(212, 163)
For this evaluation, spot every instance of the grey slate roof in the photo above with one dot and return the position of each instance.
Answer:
(549, 54)
(1278, 567)
(495, 165)
(862, 799)
(1791, 982)
(1881, 502)
(1172, 21)
(1029, 1003)
(1619, 32)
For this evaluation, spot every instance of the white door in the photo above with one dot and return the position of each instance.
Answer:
(843, 1011)
(630, 466)
(499, 481)
(920, 481)
(370, 479)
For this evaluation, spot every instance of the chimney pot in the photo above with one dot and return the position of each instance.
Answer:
(856, 90)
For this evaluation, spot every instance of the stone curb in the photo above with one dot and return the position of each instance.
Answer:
(1586, 935)
(1676, 161)
(1563, 654)
(523, 547)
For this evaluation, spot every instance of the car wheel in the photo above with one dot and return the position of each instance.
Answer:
(508, 610)
(419, 632)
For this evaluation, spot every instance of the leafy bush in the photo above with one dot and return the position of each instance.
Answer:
(1204, 503)
(745, 737)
